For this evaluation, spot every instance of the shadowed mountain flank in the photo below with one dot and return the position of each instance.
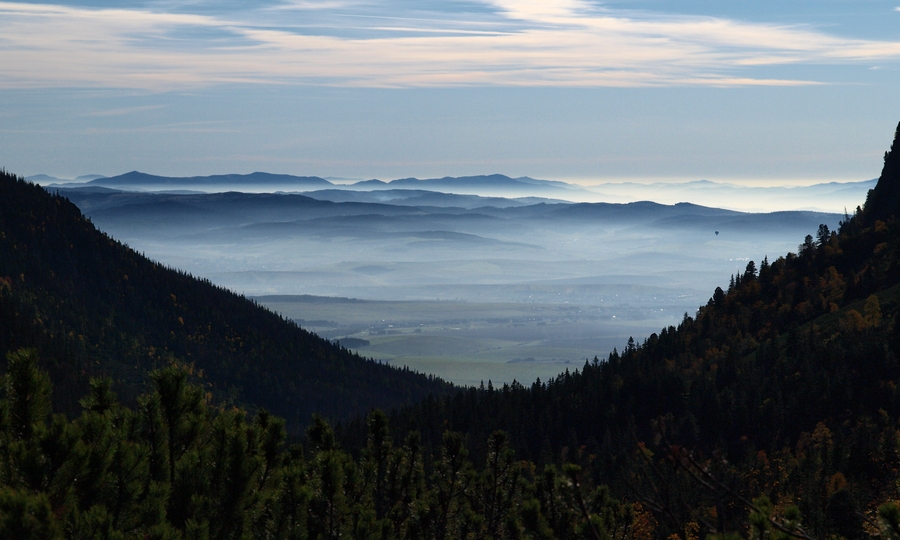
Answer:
(98, 308)
(883, 201)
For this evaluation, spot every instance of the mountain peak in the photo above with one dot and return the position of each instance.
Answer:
(137, 178)
(883, 201)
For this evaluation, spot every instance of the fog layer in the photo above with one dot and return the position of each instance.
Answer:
(469, 288)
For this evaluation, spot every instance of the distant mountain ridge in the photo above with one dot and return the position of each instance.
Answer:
(424, 197)
(135, 178)
(826, 196)
(493, 181)
(113, 209)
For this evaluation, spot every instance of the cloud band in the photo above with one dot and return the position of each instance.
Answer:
(523, 42)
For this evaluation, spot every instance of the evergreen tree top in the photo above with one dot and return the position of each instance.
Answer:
(883, 201)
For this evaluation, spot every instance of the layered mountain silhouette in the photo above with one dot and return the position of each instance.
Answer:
(494, 184)
(138, 179)
(113, 208)
(491, 181)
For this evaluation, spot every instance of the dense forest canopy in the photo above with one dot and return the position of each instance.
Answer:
(773, 412)
(882, 201)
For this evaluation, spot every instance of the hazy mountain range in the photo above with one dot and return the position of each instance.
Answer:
(256, 181)
(537, 277)
(749, 196)
(580, 277)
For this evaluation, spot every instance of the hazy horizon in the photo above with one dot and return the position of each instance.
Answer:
(591, 89)
(830, 196)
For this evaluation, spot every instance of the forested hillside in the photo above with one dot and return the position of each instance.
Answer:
(784, 384)
(92, 307)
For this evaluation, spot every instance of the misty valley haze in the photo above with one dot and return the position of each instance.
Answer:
(495, 190)
(470, 286)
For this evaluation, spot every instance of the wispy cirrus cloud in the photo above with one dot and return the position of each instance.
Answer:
(513, 42)
(123, 110)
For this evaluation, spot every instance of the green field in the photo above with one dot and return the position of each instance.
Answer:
(469, 342)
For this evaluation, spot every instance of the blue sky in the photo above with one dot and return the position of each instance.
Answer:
(756, 91)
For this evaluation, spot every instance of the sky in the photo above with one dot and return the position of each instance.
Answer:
(756, 91)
